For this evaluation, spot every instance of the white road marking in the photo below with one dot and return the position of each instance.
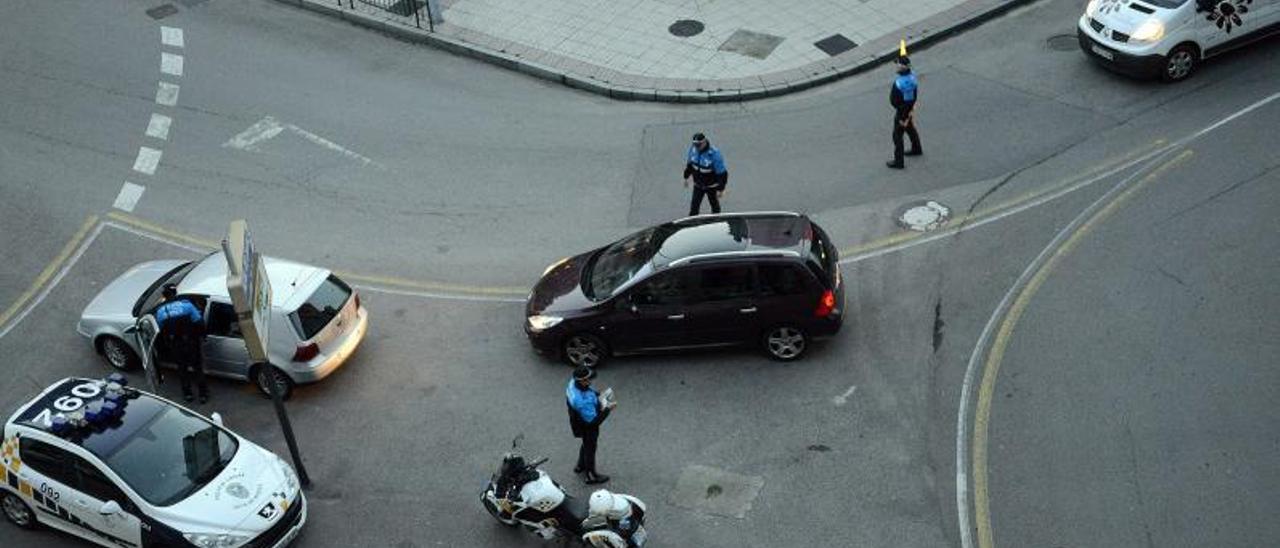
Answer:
(171, 36)
(161, 239)
(62, 272)
(148, 159)
(264, 129)
(129, 196)
(167, 94)
(159, 126)
(966, 388)
(171, 63)
(268, 127)
(844, 398)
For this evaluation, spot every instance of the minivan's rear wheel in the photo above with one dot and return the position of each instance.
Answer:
(1180, 63)
(17, 511)
(264, 375)
(118, 354)
(785, 343)
(585, 349)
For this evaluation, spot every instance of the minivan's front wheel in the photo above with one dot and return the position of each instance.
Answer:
(1180, 63)
(118, 354)
(17, 511)
(264, 375)
(585, 349)
(785, 343)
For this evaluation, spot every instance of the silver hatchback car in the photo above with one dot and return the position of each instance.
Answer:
(316, 321)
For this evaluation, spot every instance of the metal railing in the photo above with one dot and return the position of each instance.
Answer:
(403, 8)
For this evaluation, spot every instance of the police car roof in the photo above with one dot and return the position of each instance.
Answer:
(99, 439)
(735, 233)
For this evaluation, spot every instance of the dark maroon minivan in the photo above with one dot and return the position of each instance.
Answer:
(768, 278)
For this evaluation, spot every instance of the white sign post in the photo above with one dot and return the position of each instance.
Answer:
(250, 291)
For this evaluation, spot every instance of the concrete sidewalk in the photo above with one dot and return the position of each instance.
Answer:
(677, 50)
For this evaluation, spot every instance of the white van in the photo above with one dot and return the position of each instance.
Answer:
(1169, 38)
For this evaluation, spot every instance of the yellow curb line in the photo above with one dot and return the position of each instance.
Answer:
(981, 501)
(48, 271)
(383, 280)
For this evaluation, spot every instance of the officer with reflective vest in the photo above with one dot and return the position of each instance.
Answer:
(182, 332)
(903, 97)
(586, 413)
(706, 165)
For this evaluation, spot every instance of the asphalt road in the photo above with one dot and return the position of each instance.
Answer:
(1131, 406)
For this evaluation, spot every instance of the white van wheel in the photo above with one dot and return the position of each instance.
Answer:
(1180, 63)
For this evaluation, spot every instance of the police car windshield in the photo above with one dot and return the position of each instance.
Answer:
(1167, 4)
(167, 453)
(617, 264)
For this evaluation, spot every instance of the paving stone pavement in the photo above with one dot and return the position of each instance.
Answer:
(675, 50)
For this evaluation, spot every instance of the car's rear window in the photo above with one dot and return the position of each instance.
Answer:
(823, 254)
(321, 307)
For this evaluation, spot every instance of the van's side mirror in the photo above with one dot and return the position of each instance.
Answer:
(109, 508)
(216, 418)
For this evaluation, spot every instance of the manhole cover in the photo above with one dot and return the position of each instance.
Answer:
(162, 11)
(685, 28)
(1063, 42)
(923, 216)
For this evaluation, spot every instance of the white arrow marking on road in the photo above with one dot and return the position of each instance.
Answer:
(171, 64)
(171, 36)
(167, 94)
(148, 159)
(269, 127)
(129, 196)
(159, 126)
(844, 398)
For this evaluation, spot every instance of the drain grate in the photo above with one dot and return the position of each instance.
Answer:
(835, 44)
(1063, 42)
(685, 28)
(162, 11)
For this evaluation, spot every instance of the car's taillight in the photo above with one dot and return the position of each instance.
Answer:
(306, 351)
(826, 305)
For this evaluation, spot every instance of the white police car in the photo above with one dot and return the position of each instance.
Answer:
(125, 468)
(1169, 38)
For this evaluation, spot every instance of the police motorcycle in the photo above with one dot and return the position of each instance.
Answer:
(522, 494)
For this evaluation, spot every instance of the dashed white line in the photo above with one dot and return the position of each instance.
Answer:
(148, 159)
(159, 126)
(167, 94)
(171, 63)
(129, 196)
(171, 36)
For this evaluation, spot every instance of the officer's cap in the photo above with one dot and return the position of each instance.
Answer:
(698, 137)
(583, 373)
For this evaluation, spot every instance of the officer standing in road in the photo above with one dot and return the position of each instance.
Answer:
(587, 411)
(182, 330)
(903, 97)
(706, 165)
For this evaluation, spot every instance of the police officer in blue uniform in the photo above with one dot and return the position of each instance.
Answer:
(586, 414)
(903, 97)
(706, 165)
(182, 331)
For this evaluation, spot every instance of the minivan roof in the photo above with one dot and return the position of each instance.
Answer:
(733, 233)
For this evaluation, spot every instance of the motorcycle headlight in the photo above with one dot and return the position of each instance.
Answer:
(215, 540)
(540, 322)
(1149, 31)
(1091, 8)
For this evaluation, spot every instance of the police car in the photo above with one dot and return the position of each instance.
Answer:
(125, 468)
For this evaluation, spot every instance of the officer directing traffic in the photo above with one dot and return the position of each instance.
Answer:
(587, 411)
(705, 163)
(903, 96)
(182, 330)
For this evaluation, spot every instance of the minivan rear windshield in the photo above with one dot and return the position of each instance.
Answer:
(321, 307)
(822, 252)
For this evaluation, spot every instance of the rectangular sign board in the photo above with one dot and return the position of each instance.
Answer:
(249, 288)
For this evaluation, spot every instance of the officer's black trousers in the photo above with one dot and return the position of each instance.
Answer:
(587, 453)
(898, 130)
(695, 205)
(191, 362)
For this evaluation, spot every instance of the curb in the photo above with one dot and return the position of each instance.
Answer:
(815, 74)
